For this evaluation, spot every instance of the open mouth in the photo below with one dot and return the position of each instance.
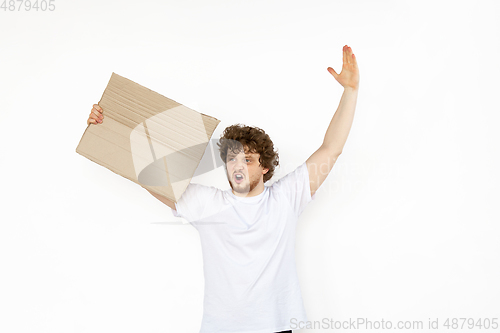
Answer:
(238, 178)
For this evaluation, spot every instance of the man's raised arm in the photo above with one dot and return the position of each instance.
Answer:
(321, 162)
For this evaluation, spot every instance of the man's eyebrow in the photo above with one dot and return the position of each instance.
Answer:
(247, 156)
(233, 154)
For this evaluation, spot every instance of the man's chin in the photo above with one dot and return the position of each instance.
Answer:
(238, 188)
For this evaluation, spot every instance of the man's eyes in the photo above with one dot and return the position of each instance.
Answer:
(245, 159)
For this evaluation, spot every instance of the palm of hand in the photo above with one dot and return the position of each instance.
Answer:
(349, 76)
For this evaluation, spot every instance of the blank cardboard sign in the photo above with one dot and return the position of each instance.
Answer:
(147, 138)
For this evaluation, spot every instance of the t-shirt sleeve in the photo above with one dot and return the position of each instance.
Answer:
(193, 202)
(296, 188)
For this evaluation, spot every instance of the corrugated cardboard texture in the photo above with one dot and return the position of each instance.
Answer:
(147, 138)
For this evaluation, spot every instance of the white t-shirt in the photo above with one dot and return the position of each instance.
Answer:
(248, 245)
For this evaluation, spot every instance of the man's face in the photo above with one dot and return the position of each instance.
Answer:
(248, 167)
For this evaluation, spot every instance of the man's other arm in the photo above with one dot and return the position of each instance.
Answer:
(163, 199)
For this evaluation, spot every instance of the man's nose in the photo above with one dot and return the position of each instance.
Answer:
(240, 165)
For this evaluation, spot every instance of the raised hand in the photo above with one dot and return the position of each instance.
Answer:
(349, 76)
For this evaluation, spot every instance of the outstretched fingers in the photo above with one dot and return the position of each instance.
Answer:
(350, 58)
(353, 57)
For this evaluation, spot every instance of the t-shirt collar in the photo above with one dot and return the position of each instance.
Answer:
(248, 199)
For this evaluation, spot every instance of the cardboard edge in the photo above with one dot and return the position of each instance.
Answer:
(88, 125)
(107, 167)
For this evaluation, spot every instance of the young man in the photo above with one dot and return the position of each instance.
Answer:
(247, 232)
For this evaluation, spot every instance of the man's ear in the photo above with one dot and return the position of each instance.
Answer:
(265, 171)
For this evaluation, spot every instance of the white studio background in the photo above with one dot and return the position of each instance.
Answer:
(404, 228)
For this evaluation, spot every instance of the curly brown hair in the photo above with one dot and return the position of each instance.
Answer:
(254, 140)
